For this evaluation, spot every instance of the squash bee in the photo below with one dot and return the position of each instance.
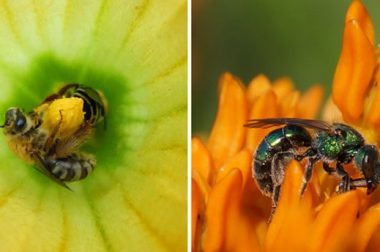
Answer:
(49, 136)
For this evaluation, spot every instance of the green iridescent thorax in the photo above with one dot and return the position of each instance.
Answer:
(351, 137)
(329, 146)
(344, 141)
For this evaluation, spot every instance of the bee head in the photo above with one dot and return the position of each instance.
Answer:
(16, 122)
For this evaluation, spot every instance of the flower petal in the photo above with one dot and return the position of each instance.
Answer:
(293, 214)
(229, 228)
(228, 133)
(288, 104)
(354, 71)
(264, 106)
(282, 87)
(365, 227)
(200, 159)
(196, 211)
(358, 12)
(334, 221)
(241, 161)
(373, 102)
(258, 87)
(310, 102)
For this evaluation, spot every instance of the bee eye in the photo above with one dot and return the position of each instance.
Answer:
(20, 124)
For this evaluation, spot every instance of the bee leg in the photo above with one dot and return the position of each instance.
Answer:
(359, 182)
(52, 137)
(362, 182)
(279, 162)
(344, 185)
(327, 168)
(275, 197)
(308, 173)
(308, 153)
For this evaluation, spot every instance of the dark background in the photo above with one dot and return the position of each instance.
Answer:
(297, 38)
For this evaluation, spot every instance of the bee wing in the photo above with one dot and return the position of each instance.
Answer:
(41, 167)
(72, 143)
(61, 93)
(270, 122)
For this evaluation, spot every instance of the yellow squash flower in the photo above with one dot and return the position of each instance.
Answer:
(135, 52)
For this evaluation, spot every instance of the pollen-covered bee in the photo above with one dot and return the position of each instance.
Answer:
(49, 136)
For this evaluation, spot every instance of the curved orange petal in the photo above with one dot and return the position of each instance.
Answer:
(257, 87)
(288, 104)
(228, 227)
(374, 242)
(201, 182)
(365, 227)
(200, 159)
(310, 102)
(331, 112)
(334, 221)
(228, 133)
(353, 72)
(358, 12)
(264, 107)
(241, 161)
(373, 116)
(293, 214)
(196, 199)
(282, 87)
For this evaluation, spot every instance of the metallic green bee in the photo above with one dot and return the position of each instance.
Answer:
(331, 142)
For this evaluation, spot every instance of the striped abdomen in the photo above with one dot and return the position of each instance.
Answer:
(94, 104)
(278, 144)
(74, 167)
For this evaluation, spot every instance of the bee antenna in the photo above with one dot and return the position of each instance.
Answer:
(2, 126)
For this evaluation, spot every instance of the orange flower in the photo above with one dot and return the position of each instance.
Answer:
(229, 213)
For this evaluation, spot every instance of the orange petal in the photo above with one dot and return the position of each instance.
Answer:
(289, 103)
(264, 107)
(365, 227)
(257, 87)
(333, 223)
(282, 87)
(228, 227)
(353, 72)
(374, 242)
(228, 133)
(200, 159)
(310, 102)
(293, 214)
(196, 199)
(241, 161)
(358, 12)
(201, 182)
(373, 116)
(331, 112)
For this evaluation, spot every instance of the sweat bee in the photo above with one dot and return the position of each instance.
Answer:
(49, 136)
(330, 142)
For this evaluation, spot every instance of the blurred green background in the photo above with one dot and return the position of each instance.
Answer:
(297, 38)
